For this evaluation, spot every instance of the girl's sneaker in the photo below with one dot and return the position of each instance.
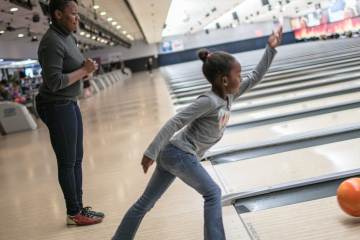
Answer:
(89, 211)
(82, 219)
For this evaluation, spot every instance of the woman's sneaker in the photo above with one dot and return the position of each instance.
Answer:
(82, 219)
(88, 211)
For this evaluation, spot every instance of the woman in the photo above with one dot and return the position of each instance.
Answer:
(63, 68)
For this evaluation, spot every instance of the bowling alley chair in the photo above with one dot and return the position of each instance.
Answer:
(15, 117)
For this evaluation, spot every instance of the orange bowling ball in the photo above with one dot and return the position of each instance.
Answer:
(348, 196)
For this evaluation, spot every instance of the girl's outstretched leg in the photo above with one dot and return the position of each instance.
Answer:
(159, 182)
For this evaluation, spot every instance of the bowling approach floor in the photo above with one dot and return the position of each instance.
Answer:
(121, 121)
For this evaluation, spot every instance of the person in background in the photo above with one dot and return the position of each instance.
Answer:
(149, 65)
(4, 93)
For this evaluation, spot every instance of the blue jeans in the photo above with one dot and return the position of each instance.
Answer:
(64, 121)
(173, 162)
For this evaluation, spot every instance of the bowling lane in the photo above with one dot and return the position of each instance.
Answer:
(195, 86)
(289, 96)
(288, 167)
(321, 78)
(310, 75)
(290, 68)
(249, 59)
(319, 219)
(301, 86)
(269, 132)
(315, 71)
(292, 108)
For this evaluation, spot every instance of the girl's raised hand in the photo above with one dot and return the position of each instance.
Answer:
(275, 38)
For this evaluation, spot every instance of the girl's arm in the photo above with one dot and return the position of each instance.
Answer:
(201, 106)
(255, 76)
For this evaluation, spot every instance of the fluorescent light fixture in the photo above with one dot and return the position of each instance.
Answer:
(14, 9)
(96, 6)
(2, 31)
(82, 33)
(88, 35)
(103, 13)
(118, 27)
(20, 35)
(110, 19)
(114, 23)
(93, 37)
(124, 32)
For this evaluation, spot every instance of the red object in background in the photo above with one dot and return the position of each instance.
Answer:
(350, 24)
(259, 33)
(348, 196)
(20, 100)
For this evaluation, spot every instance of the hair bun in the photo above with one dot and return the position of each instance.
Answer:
(203, 54)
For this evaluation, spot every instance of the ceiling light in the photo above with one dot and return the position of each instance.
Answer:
(14, 9)
(124, 32)
(118, 27)
(88, 35)
(93, 37)
(114, 23)
(96, 6)
(103, 13)
(20, 35)
(82, 33)
(2, 31)
(1, 60)
(110, 19)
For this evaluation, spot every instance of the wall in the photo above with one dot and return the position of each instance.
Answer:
(231, 47)
(18, 49)
(138, 49)
(219, 36)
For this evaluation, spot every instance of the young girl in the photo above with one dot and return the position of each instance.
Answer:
(205, 121)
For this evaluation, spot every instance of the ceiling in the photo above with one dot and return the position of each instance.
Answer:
(250, 11)
(189, 16)
(151, 20)
(116, 11)
(122, 23)
(151, 15)
(21, 20)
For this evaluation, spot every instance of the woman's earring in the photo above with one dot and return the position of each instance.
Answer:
(225, 81)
